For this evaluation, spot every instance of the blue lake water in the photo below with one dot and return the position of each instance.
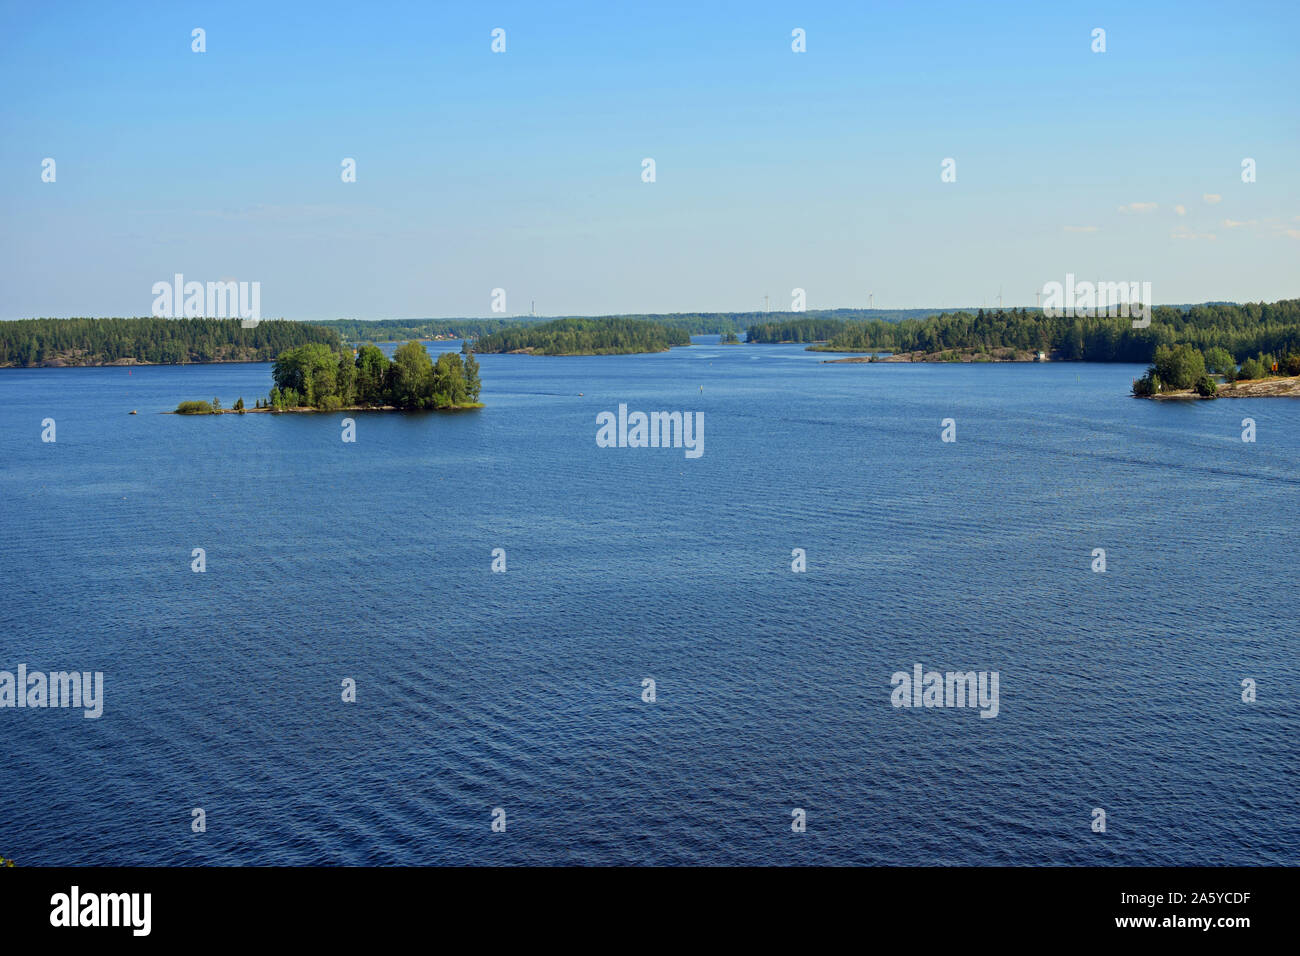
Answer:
(476, 690)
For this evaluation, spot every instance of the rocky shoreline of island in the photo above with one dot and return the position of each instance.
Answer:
(1284, 387)
(950, 356)
(307, 409)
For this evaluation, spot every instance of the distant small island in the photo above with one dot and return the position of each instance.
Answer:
(608, 336)
(316, 378)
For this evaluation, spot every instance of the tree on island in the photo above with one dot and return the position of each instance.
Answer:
(1219, 361)
(1252, 368)
(1176, 368)
(1180, 366)
(471, 376)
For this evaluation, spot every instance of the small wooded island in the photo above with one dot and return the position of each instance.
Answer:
(314, 378)
(1186, 372)
(607, 336)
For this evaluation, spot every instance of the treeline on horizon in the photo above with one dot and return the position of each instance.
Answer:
(32, 342)
(404, 330)
(392, 330)
(819, 325)
(1243, 330)
(608, 336)
(694, 323)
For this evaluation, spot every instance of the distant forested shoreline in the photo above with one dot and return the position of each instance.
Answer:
(29, 343)
(394, 330)
(585, 337)
(404, 330)
(693, 323)
(1244, 331)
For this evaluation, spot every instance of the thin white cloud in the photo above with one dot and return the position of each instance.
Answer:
(1181, 210)
(1182, 232)
(1138, 207)
(1080, 228)
(1212, 198)
(1239, 224)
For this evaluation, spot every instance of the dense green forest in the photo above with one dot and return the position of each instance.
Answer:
(692, 323)
(819, 325)
(815, 329)
(316, 376)
(1241, 330)
(609, 336)
(151, 341)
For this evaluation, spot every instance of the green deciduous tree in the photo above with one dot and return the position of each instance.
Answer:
(371, 364)
(1252, 368)
(1219, 361)
(472, 384)
(1179, 366)
(410, 376)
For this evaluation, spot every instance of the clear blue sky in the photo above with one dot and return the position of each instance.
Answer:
(522, 170)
